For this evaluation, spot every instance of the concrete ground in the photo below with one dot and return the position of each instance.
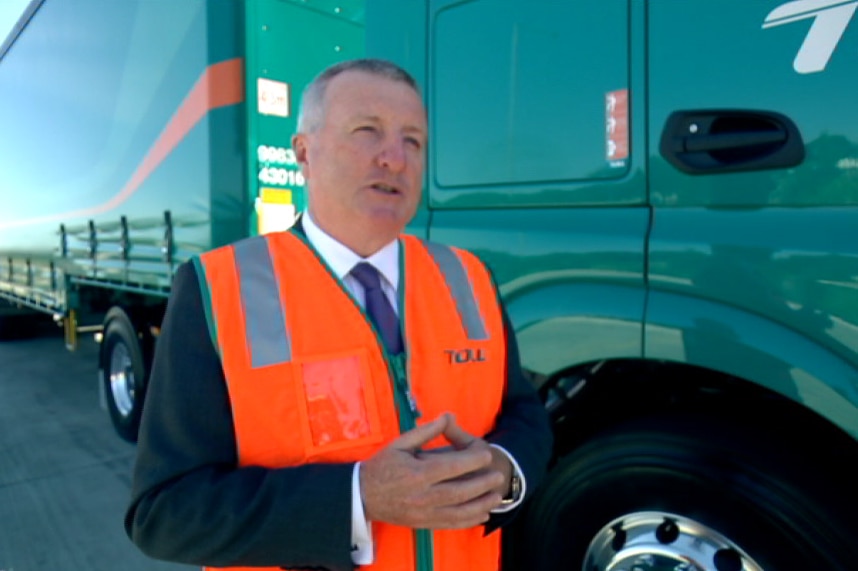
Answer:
(65, 475)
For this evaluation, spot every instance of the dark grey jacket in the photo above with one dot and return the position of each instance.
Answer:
(191, 504)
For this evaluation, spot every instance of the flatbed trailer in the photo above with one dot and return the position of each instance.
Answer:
(136, 135)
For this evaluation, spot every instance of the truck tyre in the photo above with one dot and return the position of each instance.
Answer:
(662, 494)
(123, 373)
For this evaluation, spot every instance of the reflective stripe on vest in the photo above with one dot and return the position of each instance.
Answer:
(298, 352)
(264, 311)
(460, 287)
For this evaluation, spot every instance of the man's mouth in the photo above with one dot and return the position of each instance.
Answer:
(385, 188)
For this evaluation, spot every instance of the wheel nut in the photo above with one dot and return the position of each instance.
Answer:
(619, 539)
(667, 532)
(727, 560)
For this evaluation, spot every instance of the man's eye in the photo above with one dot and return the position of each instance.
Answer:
(414, 142)
(366, 129)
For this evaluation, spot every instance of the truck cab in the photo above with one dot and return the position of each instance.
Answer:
(667, 194)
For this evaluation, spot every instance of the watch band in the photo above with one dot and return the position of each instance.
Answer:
(514, 491)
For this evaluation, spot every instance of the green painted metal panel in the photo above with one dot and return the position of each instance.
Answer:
(572, 279)
(288, 43)
(522, 113)
(227, 130)
(519, 171)
(793, 268)
(752, 346)
(728, 60)
(737, 260)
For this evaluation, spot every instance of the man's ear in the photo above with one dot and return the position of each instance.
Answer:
(299, 146)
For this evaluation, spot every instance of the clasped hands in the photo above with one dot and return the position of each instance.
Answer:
(445, 488)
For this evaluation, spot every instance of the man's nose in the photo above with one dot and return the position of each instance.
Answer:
(392, 155)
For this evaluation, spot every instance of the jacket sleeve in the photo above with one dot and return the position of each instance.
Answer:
(190, 503)
(523, 427)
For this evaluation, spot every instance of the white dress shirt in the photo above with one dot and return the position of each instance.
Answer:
(341, 260)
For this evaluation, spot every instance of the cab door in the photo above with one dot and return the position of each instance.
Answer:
(754, 187)
(536, 163)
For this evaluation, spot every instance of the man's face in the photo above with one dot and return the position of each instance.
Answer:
(364, 162)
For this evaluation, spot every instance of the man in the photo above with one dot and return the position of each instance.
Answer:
(293, 419)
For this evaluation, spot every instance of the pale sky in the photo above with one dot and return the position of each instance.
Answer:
(10, 11)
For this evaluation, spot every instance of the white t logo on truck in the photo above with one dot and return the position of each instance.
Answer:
(831, 17)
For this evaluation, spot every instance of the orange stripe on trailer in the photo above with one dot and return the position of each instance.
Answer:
(220, 85)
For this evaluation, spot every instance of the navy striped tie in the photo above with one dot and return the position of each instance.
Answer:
(378, 308)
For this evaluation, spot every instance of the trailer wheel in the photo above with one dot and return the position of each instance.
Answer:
(123, 373)
(691, 495)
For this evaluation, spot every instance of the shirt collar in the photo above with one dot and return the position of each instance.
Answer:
(341, 259)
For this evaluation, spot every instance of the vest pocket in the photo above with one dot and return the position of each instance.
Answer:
(338, 402)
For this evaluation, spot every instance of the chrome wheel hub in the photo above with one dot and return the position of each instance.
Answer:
(122, 385)
(660, 541)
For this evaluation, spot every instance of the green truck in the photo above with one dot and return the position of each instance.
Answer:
(666, 192)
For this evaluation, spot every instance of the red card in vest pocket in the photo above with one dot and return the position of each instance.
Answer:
(340, 408)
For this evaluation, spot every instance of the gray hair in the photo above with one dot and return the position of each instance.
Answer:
(313, 98)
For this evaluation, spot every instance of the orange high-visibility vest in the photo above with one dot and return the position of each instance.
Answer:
(298, 351)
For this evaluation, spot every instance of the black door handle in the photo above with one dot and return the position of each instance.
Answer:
(724, 141)
(717, 141)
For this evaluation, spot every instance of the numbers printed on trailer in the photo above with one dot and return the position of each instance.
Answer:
(278, 175)
(276, 155)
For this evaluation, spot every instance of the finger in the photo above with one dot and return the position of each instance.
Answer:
(458, 436)
(421, 435)
(469, 514)
(452, 464)
(438, 450)
(464, 489)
